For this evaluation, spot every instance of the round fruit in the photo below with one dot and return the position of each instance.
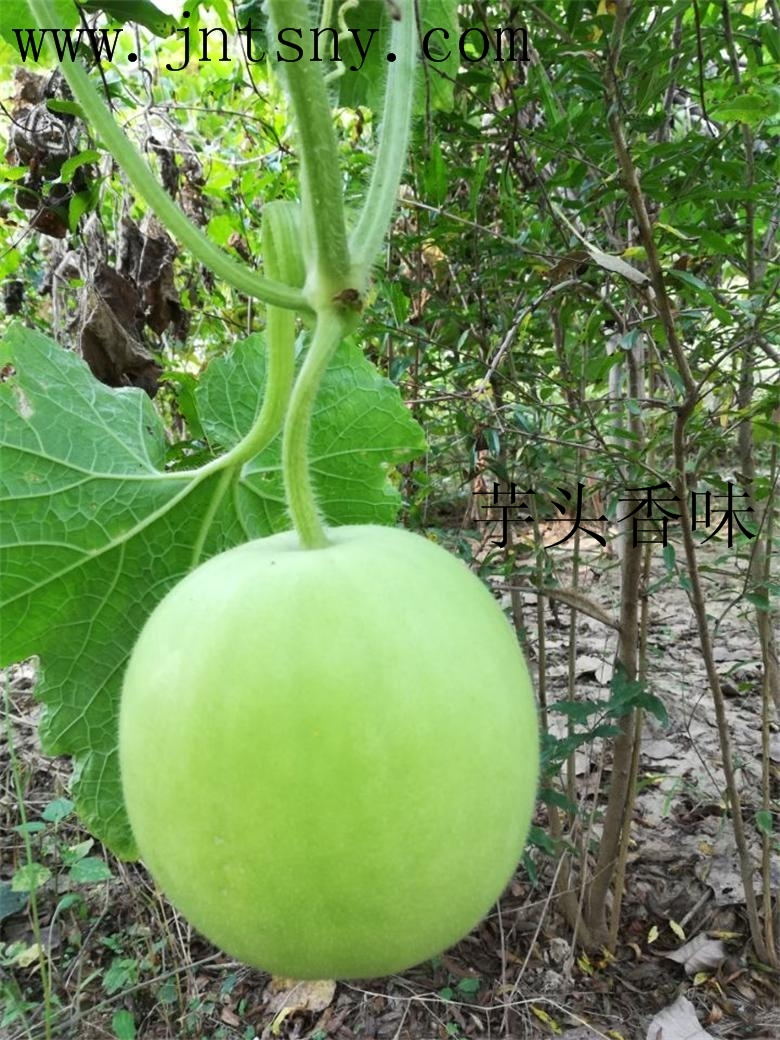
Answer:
(329, 757)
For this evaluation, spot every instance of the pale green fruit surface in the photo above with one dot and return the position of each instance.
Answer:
(330, 757)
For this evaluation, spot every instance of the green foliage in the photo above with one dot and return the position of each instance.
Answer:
(359, 429)
(363, 81)
(142, 12)
(629, 694)
(593, 719)
(123, 1025)
(16, 14)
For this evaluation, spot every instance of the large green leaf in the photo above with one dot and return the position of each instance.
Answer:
(15, 14)
(357, 429)
(93, 532)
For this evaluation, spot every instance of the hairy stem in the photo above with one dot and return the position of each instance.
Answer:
(321, 190)
(280, 231)
(371, 228)
(281, 252)
(329, 331)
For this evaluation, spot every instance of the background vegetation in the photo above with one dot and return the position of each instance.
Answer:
(579, 298)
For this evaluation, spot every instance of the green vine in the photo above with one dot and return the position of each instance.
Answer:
(282, 255)
(330, 330)
(380, 201)
(328, 282)
(321, 191)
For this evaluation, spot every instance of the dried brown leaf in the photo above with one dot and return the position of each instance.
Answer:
(677, 1022)
(699, 954)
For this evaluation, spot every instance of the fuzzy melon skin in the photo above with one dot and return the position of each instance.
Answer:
(330, 757)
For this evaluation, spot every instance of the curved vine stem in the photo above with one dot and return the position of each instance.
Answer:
(330, 270)
(377, 212)
(332, 264)
(331, 327)
(321, 190)
(281, 251)
(282, 254)
(146, 184)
